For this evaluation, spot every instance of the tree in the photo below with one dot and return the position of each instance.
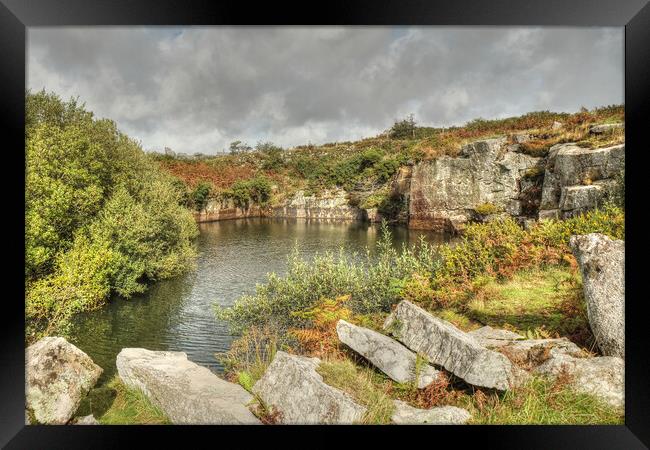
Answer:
(239, 147)
(403, 129)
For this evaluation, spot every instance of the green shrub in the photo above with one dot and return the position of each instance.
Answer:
(485, 209)
(370, 284)
(200, 195)
(403, 129)
(256, 190)
(100, 216)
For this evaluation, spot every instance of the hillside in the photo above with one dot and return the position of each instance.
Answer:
(269, 176)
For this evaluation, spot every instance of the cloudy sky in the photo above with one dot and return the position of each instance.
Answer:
(195, 89)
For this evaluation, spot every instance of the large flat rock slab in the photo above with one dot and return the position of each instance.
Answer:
(292, 387)
(447, 346)
(406, 414)
(388, 355)
(58, 376)
(186, 392)
(602, 264)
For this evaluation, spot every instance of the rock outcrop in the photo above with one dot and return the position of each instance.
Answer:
(58, 376)
(388, 355)
(186, 392)
(86, 420)
(487, 336)
(602, 264)
(222, 208)
(405, 414)
(329, 205)
(603, 377)
(447, 346)
(518, 348)
(444, 192)
(577, 179)
(292, 387)
(606, 128)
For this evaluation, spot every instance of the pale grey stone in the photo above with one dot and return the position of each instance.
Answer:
(520, 348)
(602, 376)
(520, 138)
(58, 376)
(186, 392)
(556, 125)
(292, 387)
(405, 414)
(605, 128)
(447, 346)
(86, 420)
(578, 179)
(329, 204)
(549, 214)
(602, 264)
(445, 191)
(386, 354)
(492, 336)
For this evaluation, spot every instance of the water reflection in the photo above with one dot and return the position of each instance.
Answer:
(233, 256)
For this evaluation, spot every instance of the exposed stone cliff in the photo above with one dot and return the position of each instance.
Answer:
(445, 192)
(489, 178)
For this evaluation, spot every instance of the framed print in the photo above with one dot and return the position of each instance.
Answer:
(353, 221)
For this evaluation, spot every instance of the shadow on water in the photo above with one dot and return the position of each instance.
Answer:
(233, 256)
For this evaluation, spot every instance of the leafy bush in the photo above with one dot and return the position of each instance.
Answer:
(257, 190)
(273, 157)
(500, 247)
(372, 285)
(100, 217)
(200, 195)
(403, 129)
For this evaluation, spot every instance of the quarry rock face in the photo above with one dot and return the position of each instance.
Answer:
(292, 387)
(577, 179)
(57, 377)
(445, 345)
(225, 209)
(388, 355)
(186, 392)
(602, 264)
(405, 414)
(445, 191)
(329, 205)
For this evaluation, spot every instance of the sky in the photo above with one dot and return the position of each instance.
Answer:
(196, 89)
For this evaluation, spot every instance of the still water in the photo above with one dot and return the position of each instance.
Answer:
(233, 256)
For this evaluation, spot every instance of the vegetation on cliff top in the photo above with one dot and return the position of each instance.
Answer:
(366, 165)
(101, 218)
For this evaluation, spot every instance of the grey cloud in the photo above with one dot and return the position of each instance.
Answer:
(198, 88)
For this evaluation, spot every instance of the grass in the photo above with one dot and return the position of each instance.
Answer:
(116, 404)
(542, 302)
(364, 386)
(539, 402)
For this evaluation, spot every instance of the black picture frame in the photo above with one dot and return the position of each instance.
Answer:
(16, 15)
